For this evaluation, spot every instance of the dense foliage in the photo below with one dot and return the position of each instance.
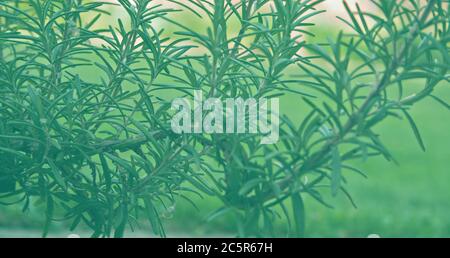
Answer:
(85, 117)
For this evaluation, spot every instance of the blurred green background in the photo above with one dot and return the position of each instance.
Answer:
(408, 199)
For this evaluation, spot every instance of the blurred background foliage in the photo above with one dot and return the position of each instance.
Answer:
(410, 198)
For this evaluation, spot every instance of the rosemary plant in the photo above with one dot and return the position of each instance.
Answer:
(99, 151)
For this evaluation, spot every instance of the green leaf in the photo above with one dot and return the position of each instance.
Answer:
(249, 186)
(299, 214)
(106, 172)
(440, 101)
(415, 130)
(123, 163)
(218, 213)
(18, 154)
(57, 175)
(37, 103)
(48, 215)
(152, 216)
(122, 222)
(336, 171)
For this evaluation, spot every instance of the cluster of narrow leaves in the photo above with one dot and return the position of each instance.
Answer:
(92, 150)
(85, 127)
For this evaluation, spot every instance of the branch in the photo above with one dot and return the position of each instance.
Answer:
(323, 154)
